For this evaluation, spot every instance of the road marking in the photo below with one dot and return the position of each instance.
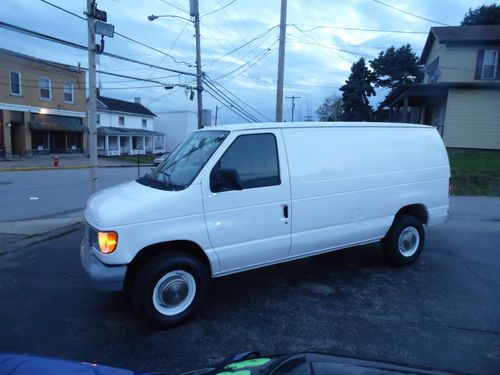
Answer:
(34, 198)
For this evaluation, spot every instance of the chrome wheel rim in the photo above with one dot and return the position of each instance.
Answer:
(174, 292)
(408, 242)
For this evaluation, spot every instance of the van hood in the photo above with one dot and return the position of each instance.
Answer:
(132, 203)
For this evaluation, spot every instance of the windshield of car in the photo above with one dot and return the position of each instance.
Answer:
(184, 164)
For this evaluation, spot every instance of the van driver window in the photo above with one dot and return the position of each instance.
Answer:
(255, 158)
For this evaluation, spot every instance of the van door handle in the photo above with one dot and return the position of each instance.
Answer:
(285, 211)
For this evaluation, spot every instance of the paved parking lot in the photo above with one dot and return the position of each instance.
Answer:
(442, 312)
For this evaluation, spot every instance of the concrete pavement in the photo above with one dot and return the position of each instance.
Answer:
(442, 312)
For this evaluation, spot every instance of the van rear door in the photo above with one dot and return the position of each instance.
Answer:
(251, 226)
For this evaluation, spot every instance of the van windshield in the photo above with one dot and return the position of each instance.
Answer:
(183, 165)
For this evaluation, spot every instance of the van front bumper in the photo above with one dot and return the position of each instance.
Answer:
(103, 277)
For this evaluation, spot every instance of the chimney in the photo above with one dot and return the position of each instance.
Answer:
(137, 100)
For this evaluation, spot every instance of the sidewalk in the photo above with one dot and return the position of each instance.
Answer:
(66, 161)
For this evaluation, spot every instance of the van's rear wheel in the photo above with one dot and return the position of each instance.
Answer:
(168, 289)
(404, 242)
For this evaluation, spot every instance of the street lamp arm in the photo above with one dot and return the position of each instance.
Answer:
(154, 17)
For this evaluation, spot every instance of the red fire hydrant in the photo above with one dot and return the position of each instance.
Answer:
(56, 161)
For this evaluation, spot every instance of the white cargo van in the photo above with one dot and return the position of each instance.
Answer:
(238, 197)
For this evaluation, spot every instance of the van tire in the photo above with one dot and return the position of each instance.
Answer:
(169, 288)
(404, 241)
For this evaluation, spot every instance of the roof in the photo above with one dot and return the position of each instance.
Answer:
(124, 106)
(460, 34)
(434, 89)
(125, 131)
(308, 125)
(41, 61)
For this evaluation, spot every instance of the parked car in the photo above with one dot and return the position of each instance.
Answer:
(247, 196)
(243, 363)
(160, 159)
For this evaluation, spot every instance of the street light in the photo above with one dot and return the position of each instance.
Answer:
(154, 17)
(195, 13)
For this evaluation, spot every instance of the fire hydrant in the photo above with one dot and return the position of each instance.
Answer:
(56, 161)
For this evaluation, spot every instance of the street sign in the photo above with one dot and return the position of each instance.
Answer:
(104, 29)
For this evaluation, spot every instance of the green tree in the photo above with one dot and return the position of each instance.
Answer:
(331, 109)
(483, 15)
(396, 67)
(355, 93)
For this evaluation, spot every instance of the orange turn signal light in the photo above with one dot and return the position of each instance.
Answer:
(107, 241)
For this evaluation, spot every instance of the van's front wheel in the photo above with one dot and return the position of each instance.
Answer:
(404, 242)
(168, 289)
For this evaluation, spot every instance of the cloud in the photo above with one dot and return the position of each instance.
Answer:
(315, 66)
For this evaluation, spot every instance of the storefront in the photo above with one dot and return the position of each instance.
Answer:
(56, 134)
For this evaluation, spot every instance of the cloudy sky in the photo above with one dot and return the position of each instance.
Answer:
(321, 45)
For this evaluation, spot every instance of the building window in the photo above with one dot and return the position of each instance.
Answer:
(490, 64)
(15, 83)
(68, 92)
(432, 70)
(45, 89)
(144, 123)
(98, 119)
(121, 120)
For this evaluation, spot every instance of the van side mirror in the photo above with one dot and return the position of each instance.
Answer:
(225, 179)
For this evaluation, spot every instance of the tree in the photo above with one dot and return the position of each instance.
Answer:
(331, 109)
(355, 93)
(483, 15)
(396, 67)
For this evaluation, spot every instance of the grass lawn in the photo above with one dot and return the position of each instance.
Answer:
(475, 172)
(143, 159)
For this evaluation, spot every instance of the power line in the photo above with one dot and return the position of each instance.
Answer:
(254, 60)
(230, 102)
(175, 6)
(315, 27)
(232, 94)
(82, 47)
(227, 104)
(218, 10)
(243, 45)
(409, 13)
(123, 36)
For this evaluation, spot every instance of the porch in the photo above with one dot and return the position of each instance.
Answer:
(115, 142)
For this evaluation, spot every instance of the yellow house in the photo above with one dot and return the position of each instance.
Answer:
(42, 106)
(460, 93)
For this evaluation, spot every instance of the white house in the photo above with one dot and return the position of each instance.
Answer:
(126, 128)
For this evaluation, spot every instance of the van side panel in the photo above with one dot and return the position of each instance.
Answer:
(348, 183)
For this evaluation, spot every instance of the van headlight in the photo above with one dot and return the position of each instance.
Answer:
(107, 241)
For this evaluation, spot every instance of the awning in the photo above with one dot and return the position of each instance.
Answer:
(56, 123)
(109, 130)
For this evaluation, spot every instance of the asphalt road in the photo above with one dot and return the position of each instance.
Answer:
(53, 193)
(442, 312)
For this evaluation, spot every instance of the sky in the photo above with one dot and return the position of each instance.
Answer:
(239, 46)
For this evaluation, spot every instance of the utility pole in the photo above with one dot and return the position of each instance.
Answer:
(195, 12)
(293, 97)
(92, 119)
(281, 64)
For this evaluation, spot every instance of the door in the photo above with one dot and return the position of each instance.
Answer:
(251, 226)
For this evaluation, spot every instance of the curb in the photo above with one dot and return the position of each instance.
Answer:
(24, 243)
(21, 169)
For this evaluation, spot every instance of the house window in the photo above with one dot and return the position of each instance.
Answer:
(68, 92)
(98, 118)
(432, 70)
(144, 123)
(45, 89)
(490, 64)
(121, 120)
(15, 83)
